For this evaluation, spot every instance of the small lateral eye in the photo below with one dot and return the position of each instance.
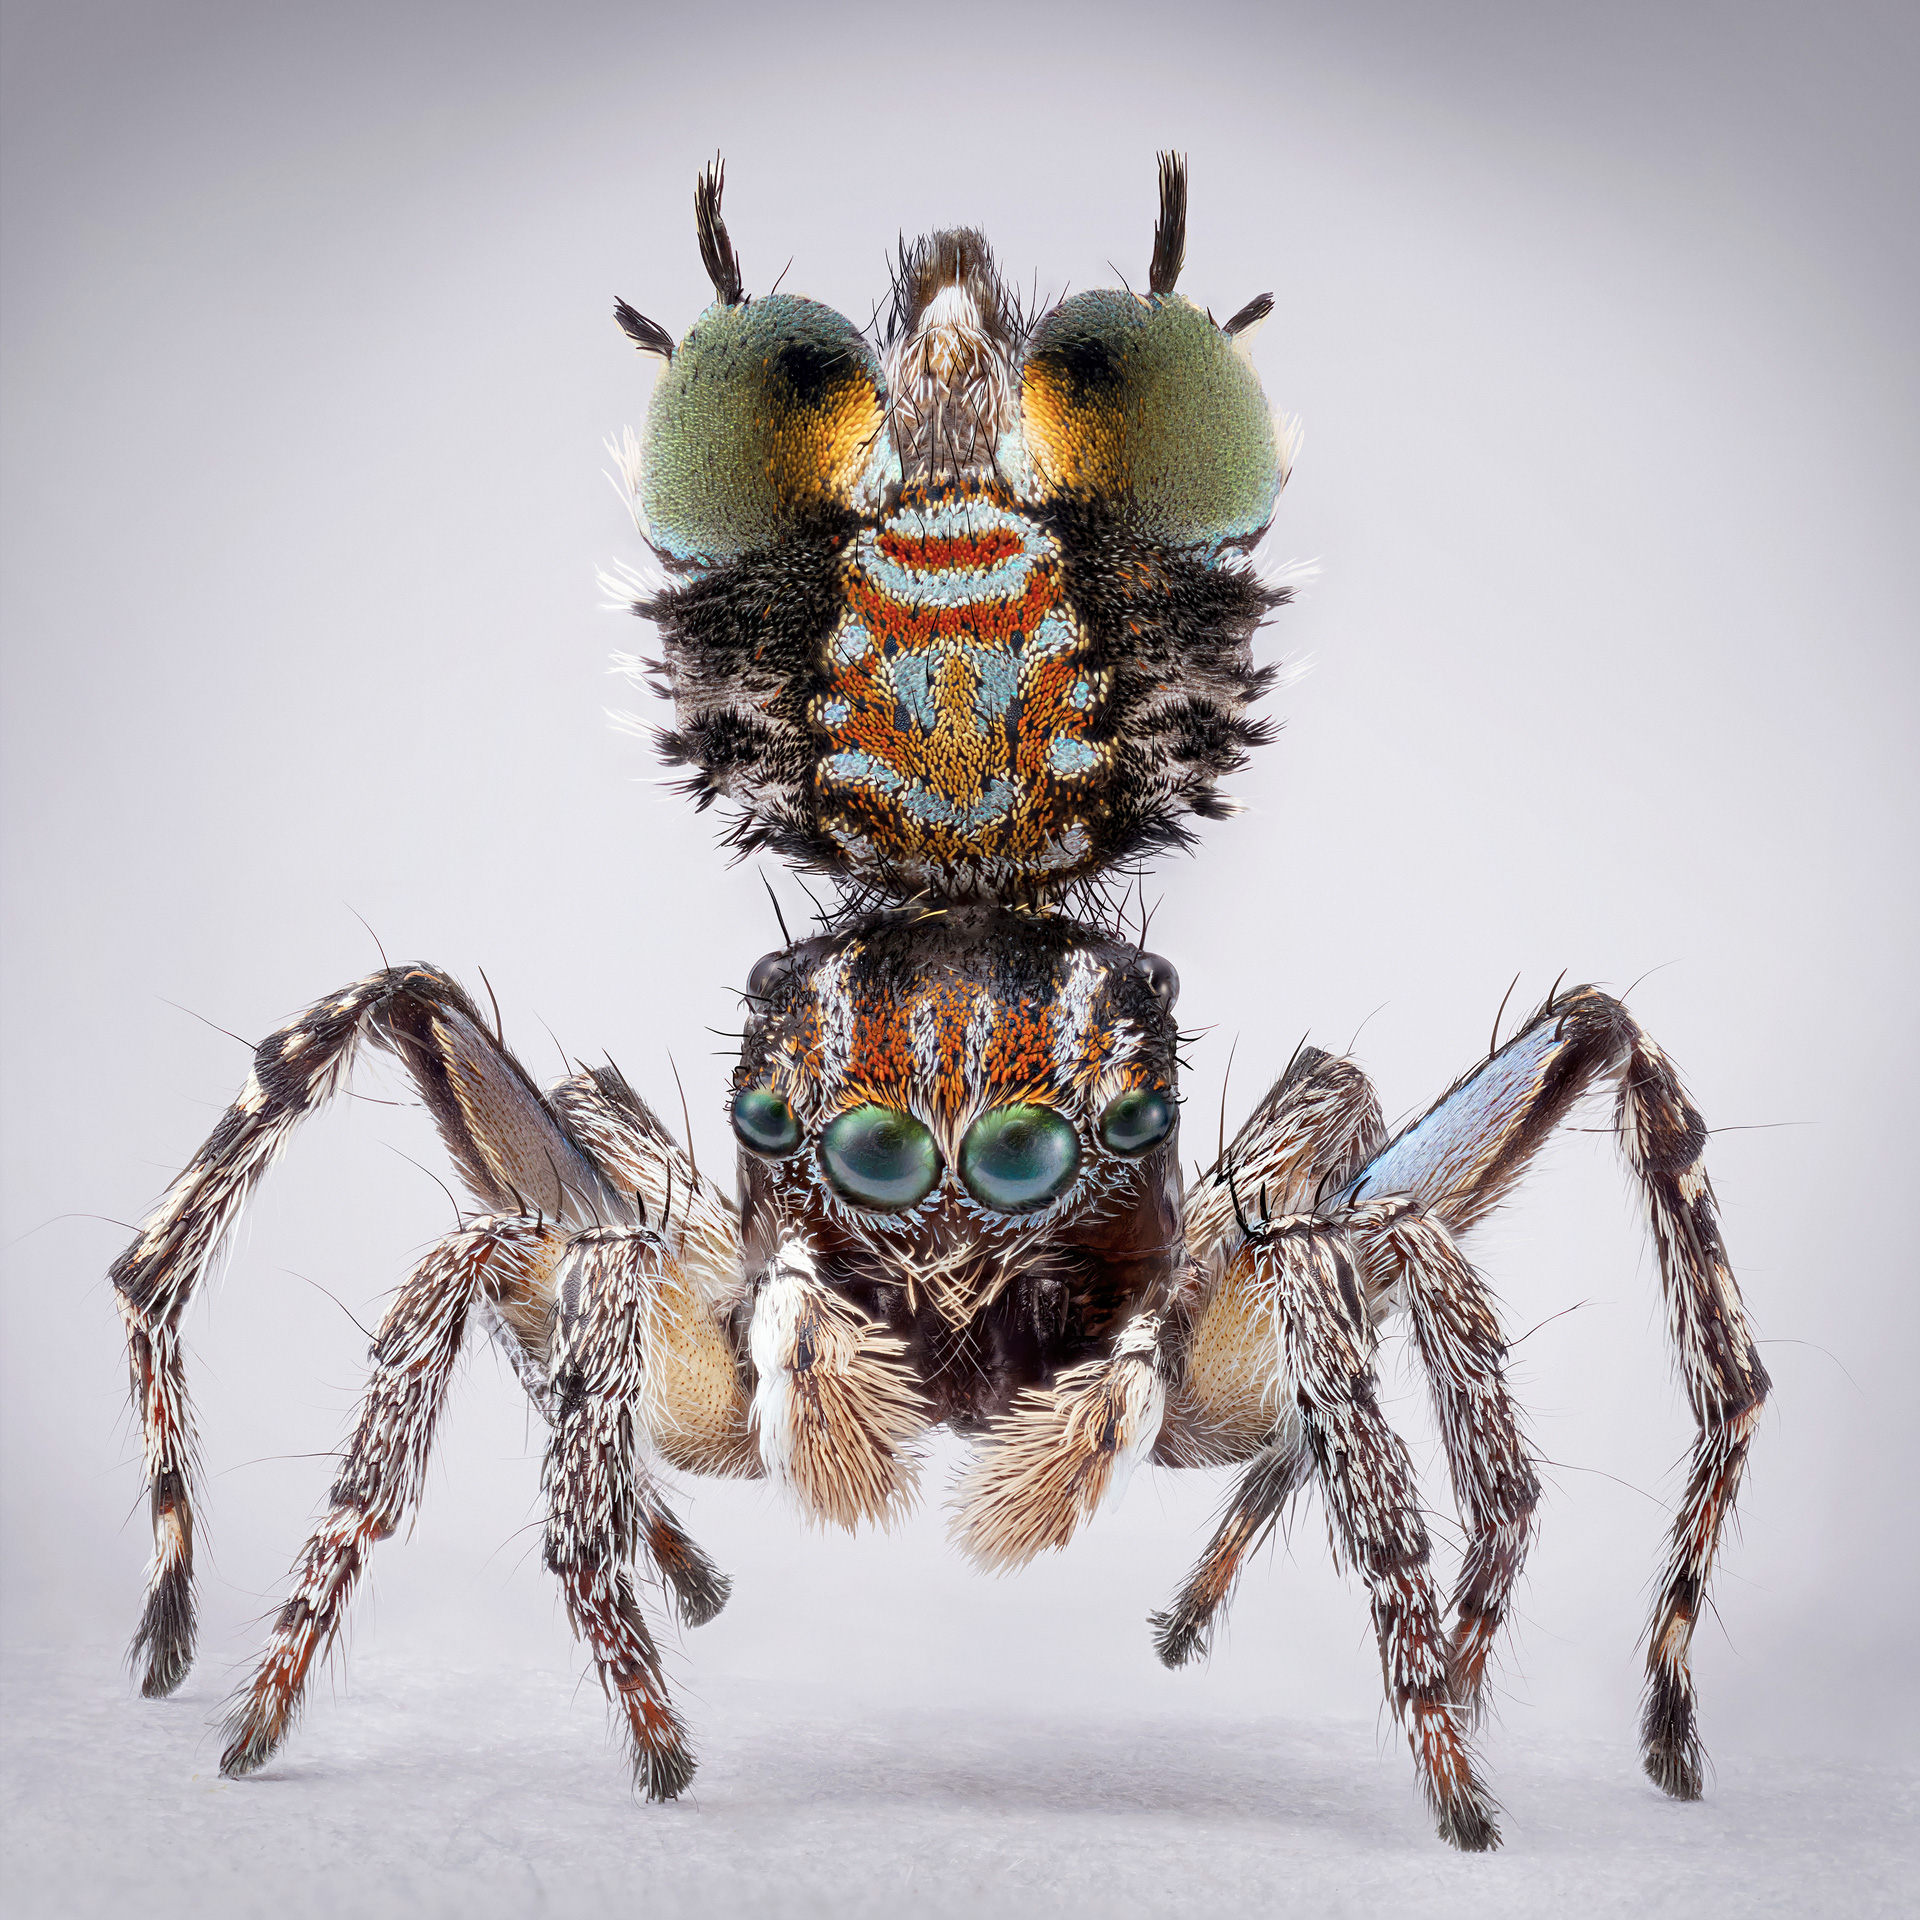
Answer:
(764, 1122)
(1017, 1158)
(1136, 1120)
(880, 1157)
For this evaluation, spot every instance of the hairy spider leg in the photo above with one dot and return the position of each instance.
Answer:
(1457, 1332)
(507, 1260)
(1183, 1629)
(602, 1508)
(1325, 1336)
(1408, 1259)
(1319, 1121)
(590, 1151)
(1464, 1156)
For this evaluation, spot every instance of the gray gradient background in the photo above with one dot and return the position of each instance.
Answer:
(1601, 325)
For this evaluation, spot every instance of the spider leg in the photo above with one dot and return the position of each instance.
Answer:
(1320, 1119)
(1183, 1629)
(1463, 1350)
(699, 1416)
(505, 1260)
(1064, 1449)
(1462, 1157)
(1326, 1340)
(515, 1152)
(615, 1291)
(505, 1140)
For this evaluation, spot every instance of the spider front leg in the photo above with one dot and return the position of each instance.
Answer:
(512, 1150)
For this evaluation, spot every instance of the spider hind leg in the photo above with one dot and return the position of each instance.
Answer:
(1183, 1629)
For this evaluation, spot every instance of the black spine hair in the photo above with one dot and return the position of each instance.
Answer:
(648, 335)
(1251, 314)
(716, 249)
(1170, 230)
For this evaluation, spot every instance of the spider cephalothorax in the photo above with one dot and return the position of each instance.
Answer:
(962, 621)
(971, 1120)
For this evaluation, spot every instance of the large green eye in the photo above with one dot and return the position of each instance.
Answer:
(1136, 1120)
(881, 1158)
(768, 408)
(1144, 401)
(765, 1122)
(1017, 1158)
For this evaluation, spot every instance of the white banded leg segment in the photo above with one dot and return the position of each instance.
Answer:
(1063, 1451)
(162, 1648)
(1326, 1343)
(1463, 1351)
(510, 1148)
(602, 1506)
(383, 1469)
(634, 1149)
(837, 1409)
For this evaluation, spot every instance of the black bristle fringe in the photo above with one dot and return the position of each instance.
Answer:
(1170, 230)
(648, 335)
(716, 249)
(1251, 314)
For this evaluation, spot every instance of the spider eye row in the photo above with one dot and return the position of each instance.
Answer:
(1015, 1158)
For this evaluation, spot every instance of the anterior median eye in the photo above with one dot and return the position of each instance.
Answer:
(1017, 1158)
(881, 1158)
(765, 1122)
(1138, 1119)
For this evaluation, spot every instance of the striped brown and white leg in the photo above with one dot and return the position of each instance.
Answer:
(1468, 1151)
(512, 1150)
(1316, 1124)
(1458, 1336)
(1664, 1140)
(1183, 1629)
(505, 1261)
(1327, 1340)
(614, 1293)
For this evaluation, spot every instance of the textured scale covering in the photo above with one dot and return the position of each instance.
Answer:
(970, 617)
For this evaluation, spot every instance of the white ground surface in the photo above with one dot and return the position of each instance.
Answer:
(454, 1791)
